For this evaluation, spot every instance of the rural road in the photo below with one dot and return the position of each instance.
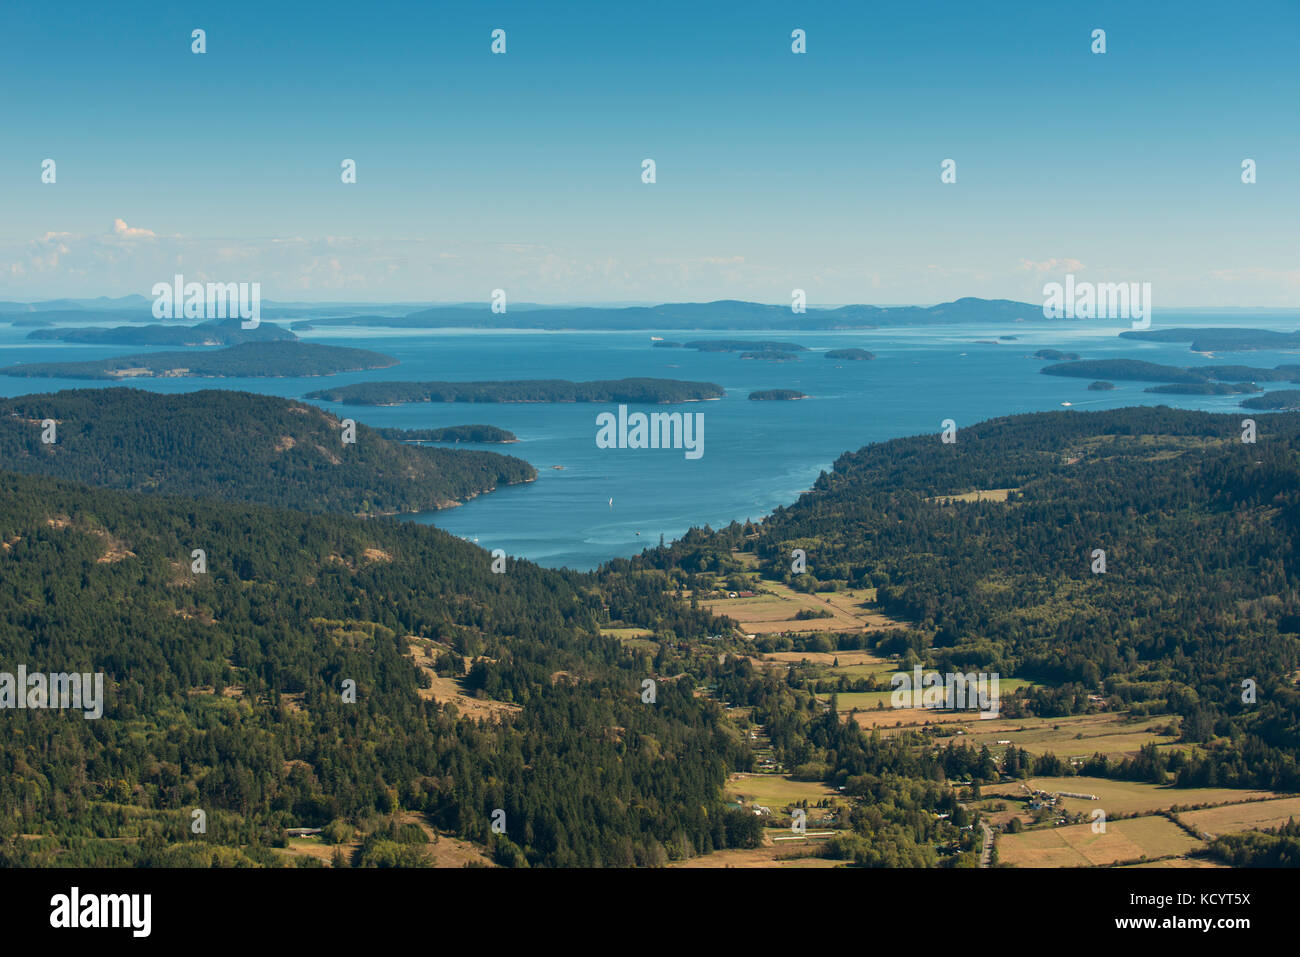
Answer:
(987, 850)
(988, 844)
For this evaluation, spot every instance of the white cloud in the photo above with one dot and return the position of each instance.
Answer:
(1051, 265)
(120, 228)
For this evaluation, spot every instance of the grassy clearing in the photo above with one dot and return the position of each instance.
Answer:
(777, 791)
(979, 495)
(449, 690)
(627, 633)
(315, 847)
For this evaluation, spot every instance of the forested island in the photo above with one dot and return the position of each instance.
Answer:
(656, 391)
(776, 395)
(279, 452)
(852, 355)
(1205, 388)
(1219, 339)
(744, 346)
(1055, 355)
(1124, 370)
(772, 356)
(1282, 399)
(1137, 370)
(1283, 373)
(483, 434)
(1101, 386)
(217, 332)
(274, 358)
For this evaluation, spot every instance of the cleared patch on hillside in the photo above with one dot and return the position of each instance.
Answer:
(776, 609)
(450, 690)
(978, 495)
(776, 791)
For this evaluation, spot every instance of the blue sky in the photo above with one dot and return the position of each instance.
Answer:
(775, 170)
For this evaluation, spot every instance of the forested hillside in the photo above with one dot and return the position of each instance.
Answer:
(225, 688)
(240, 447)
(224, 692)
(1199, 591)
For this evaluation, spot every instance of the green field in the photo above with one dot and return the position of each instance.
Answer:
(776, 791)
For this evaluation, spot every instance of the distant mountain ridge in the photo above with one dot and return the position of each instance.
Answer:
(729, 314)
(723, 314)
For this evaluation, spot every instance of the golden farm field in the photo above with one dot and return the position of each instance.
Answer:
(1123, 797)
(851, 664)
(848, 660)
(903, 718)
(768, 855)
(1078, 846)
(1242, 817)
(774, 611)
(1178, 862)
(1111, 733)
(882, 701)
(979, 495)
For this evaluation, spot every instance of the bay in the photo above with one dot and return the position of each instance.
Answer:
(757, 455)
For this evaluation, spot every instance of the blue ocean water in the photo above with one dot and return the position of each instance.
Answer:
(757, 455)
